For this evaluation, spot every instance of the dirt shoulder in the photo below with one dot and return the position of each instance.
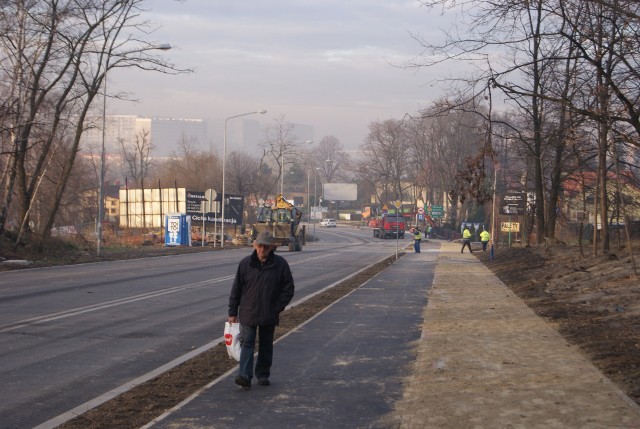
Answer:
(594, 302)
(57, 252)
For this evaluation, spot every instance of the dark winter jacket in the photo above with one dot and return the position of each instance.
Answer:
(261, 292)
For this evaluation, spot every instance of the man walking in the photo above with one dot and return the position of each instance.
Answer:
(484, 239)
(262, 288)
(466, 239)
(417, 238)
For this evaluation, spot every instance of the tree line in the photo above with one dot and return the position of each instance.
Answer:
(54, 60)
(541, 94)
(544, 95)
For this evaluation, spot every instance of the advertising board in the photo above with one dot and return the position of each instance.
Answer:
(232, 210)
(513, 203)
(194, 202)
(340, 191)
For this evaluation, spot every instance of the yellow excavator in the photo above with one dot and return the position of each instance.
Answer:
(282, 220)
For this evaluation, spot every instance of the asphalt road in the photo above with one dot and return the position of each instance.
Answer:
(71, 334)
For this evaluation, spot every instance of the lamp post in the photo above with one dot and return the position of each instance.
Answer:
(315, 197)
(162, 47)
(224, 163)
(308, 200)
(308, 191)
(494, 229)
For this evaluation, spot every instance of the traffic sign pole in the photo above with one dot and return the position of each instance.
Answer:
(398, 204)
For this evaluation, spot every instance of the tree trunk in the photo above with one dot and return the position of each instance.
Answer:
(8, 188)
(595, 215)
(624, 211)
(602, 173)
(66, 171)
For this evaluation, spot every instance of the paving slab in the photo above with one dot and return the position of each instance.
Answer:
(486, 360)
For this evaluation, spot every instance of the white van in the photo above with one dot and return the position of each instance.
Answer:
(329, 222)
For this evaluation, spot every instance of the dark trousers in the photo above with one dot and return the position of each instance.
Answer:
(464, 244)
(484, 246)
(416, 246)
(265, 351)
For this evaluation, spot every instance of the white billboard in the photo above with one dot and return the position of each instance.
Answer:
(340, 191)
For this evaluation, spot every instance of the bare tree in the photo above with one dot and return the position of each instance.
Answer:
(280, 148)
(385, 151)
(137, 159)
(442, 142)
(243, 174)
(55, 56)
(191, 168)
(334, 163)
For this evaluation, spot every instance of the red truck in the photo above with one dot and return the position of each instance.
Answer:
(390, 225)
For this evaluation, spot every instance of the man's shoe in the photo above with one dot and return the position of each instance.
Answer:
(264, 382)
(243, 382)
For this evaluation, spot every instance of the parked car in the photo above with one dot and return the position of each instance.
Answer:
(328, 222)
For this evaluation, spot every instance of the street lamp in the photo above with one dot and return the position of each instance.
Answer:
(315, 198)
(224, 163)
(493, 210)
(161, 47)
(308, 200)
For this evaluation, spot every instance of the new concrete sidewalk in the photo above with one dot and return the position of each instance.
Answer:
(487, 361)
(475, 356)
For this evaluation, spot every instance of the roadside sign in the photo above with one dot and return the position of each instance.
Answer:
(398, 203)
(513, 203)
(420, 210)
(437, 211)
(194, 202)
(510, 226)
(420, 216)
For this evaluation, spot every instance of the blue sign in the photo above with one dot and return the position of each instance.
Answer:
(177, 230)
(420, 216)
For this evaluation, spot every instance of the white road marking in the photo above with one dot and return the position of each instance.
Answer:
(107, 304)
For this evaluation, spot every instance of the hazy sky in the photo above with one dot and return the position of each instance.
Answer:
(332, 64)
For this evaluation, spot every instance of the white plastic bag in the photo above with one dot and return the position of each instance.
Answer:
(232, 337)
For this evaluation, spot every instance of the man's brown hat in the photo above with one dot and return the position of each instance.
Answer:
(265, 238)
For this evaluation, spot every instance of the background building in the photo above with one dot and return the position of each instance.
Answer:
(117, 128)
(168, 133)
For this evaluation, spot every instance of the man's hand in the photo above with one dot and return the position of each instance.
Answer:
(232, 319)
